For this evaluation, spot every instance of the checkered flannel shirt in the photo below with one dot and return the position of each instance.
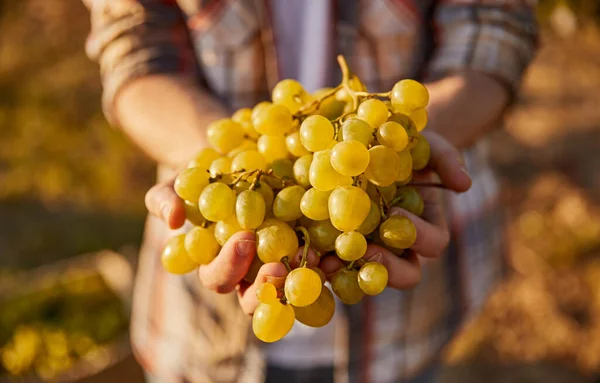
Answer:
(183, 333)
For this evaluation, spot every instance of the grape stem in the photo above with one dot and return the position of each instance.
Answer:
(306, 238)
(255, 183)
(314, 105)
(286, 263)
(350, 265)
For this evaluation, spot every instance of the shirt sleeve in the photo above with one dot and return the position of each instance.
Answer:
(134, 38)
(498, 38)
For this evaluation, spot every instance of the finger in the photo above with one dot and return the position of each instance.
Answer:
(162, 201)
(232, 263)
(247, 292)
(330, 264)
(312, 258)
(403, 272)
(447, 161)
(432, 238)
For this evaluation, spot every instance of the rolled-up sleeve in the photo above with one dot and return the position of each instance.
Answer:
(498, 38)
(134, 38)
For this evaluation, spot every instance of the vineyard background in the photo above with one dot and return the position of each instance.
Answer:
(70, 184)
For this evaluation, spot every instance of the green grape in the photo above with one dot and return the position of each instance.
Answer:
(249, 160)
(275, 240)
(302, 286)
(286, 205)
(406, 166)
(383, 165)
(268, 195)
(409, 95)
(271, 322)
(258, 107)
(294, 145)
(314, 204)
(354, 84)
(217, 202)
(387, 192)
(204, 158)
(192, 213)
(408, 125)
(350, 246)
(372, 221)
(373, 111)
(190, 183)
(372, 278)
(225, 135)
(318, 313)
(255, 266)
(316, 133)
(247, 145)
(323, 235)
(329, 108)
(221, 165)
(322, 175)
(349, 158)
(244, 117)
(321, 274)
(272, 147)
(421, 154)
(273, 120)
(174, 258)
(392, 135)
(420, 118)
(411, 200)
(398, 232)
(201, 245)
(250, 209)
(240, 186)
(302, 170)
(289, 93)
(267, 293)
(357, 130)
(224, 229)
(345, 285)
(348, 207)
(304, 221)
(283, 168)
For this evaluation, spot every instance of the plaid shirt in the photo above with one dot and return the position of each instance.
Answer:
(184, 333)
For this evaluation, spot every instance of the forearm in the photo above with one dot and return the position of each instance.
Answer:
(465, 106)
(166, 117)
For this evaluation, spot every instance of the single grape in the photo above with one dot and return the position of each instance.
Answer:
(290, 93)
(373, 111)
(302, 169)
(409, 95)
(286, 205)
(259, 107)
(268, 195)
(283, 168)
(420, 118)
(201, 245)
(294, 145)
(357, 130)
(217, 202)
(225, 135)
(330, 108)
(175, 258)
(275, 241)
(350, 246)
(323, 235)
(221, 165)
(349, 158)
(190, 183)
(408, 125)
(273, 120)
(255, 266)
(316, 133)
(392, 135)
(321, 274)
(204, 158)
(302, 286)
(348, 207)
(244, 117)
(319, 313)
(224, 229)
(314, 204)
(398, 232)
(406, 166)
(411, 200)
(192, 213)
(250, 209)
(421, 154)
(267, 293)
(271, 322)
(372, 278)
(372, 221)
(383, 166)
(386, 192)
(248, 160)
(272, 147)
(247, 145)
(322, 175)
(345, 285)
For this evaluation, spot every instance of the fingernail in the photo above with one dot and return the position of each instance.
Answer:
(464, 170)
(245, 248)
(166, 212)
(377, 258)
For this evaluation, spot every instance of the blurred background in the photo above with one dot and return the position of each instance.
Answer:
(72, 211)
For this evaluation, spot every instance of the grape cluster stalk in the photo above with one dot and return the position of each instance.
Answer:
(316, 170)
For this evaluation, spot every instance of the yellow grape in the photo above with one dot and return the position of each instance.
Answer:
(250, 209)
(420, 118)
(248, 160)
(322, 175)
(373, 111)
(192, 213)
(345, 285)
(409, 95)
(329, 108)
(406, 166)
(411, 200)
(221, 165)
(240, 186)
(275, 240)
(349, 158)
(355, 84)
(267, 293)
(290, 93)
(321, 274)
(398, 232)
(273, 120)
(268, 195)
(174, 258)
(350, 246)
(190, 183)
(319, 313)
(392, 135)
(302, 286)
(217, 202)
(244, 117)
(224, 229)
(372, 221)
(348, 207)
(244, 147)
(283, 168)
(272, 147)
(405, 182)
(421, 154)
(225, 135)
(204, 158)
(255, 266)
(294, 145)
(316, 133)
(271, 322)
(383, 165)
(286, 205)
(372, 278)
(408, 125)
(314, 204)
(323, 235)
(387, 192)
(302, 170)
(357, 130)
(258, 107)
(201, 245)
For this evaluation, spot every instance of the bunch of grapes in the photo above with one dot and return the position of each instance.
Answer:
(316, 170)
